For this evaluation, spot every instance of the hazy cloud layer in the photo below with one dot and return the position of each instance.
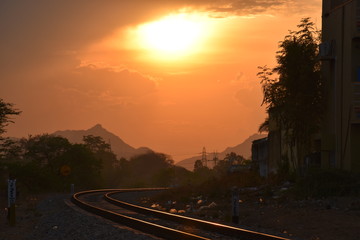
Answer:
(123, 87)
(35, 32)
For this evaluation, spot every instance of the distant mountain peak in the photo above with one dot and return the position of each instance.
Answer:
(120, 148)
(97, 127)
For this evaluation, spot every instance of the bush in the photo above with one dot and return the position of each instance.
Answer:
(212, 187)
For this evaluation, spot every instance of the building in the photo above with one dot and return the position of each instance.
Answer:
(340, 55)
(260, 156)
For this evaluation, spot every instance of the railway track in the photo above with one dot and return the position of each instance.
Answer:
(106, 203)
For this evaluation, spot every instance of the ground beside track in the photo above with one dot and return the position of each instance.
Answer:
(49, 217)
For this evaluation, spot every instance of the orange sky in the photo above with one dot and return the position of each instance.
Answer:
(73, 64)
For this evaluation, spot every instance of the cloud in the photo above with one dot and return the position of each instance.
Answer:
(246, 7)
(33, 32)
(121, 88)
(249, 99)
(248, 94)
(254, 7)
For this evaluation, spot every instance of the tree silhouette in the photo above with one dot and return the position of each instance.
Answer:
(96, 144)
(293, 90)
(6, 111)
(45, 150)
(102, 151)
(7, 146)
(198, 165)
(234, 159)
(85, 166)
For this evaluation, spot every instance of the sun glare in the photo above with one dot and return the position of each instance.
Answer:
(173, 36)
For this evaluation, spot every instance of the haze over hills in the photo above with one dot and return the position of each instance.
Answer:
(118, 146)
(122, 149)
(243, 149)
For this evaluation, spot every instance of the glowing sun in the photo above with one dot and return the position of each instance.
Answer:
(173, 36)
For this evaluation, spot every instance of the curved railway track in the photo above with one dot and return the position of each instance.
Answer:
(105, 203)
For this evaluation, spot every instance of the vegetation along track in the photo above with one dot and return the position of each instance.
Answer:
(158, 223)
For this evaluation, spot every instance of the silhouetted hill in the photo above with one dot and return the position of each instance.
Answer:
(118, 146)
(243, 149)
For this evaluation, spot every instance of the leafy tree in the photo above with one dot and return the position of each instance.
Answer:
(32, 178)
(151, 161)
(6, 111)
(46, 150)
(10, 150)
(102, 151)
(293, 90)
(234, 159)
(35, 161)
(198, 165)
(96, 144)
(85, 167)
(222, 168)
(201, 174)
(144, 170)
(39, 161)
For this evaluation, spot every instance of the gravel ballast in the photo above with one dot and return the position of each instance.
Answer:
(56, 218)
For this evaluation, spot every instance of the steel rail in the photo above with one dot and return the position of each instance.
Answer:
(240, 233)
(147, 227)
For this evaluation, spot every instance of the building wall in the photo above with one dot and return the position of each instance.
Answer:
(341, 69)
(260, 155)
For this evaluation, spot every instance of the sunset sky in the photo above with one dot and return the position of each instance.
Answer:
(171, 75)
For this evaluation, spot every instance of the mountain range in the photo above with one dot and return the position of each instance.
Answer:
(122, 149)
(243, 149)
(118, 146)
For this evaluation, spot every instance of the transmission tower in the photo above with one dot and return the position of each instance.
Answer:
(215, 159)
(203, 158)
